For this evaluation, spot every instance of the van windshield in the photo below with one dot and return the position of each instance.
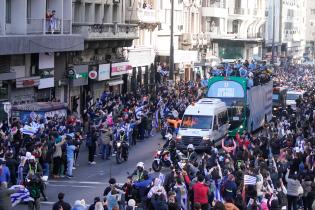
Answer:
(197, 122)
(292, 96)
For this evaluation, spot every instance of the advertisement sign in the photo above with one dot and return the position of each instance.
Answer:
(120, 68)
(46, 61)
(103, 72)
(46, 83)
(27, 82)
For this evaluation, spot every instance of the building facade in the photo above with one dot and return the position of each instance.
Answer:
(33, 49)
(106, 34)
(141, 55)
(309, 31)
(235, 28)
(286, 24)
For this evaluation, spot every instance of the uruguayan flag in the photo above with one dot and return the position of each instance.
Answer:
(23, 195)
(249, 180)
(28, 130)
(138, 112)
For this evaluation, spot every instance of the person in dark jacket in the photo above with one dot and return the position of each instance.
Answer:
(92, 145)
(5, 199)
(96, 199)
(61, 202)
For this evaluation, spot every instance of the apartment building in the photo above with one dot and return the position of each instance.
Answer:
(309, 31)
(35, 38)
(186, 32)
(235, 28)
(290, 25)
(106, 34)
(141, 55)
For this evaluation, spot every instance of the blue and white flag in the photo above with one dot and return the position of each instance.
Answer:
(28, 130)
(249, 180)
(162, 178)
(156, 119)
(138, 112)
(23, 195)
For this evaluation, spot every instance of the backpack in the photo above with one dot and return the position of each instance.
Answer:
(34, 190)
(282, 198)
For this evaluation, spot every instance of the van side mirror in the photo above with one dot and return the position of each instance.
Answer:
(215, 127)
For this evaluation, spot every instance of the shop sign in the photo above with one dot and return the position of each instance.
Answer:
(27, 82)
(120, 68)
(103, 72)
(46, 83)
(81, 75)
(92, 74)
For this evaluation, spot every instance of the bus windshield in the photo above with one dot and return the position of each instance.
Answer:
(232, 93)
(197, 122)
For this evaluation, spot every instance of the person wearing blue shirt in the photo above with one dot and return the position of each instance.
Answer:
(4, 173)
(70, 158)
(252, 65)
(243, 71)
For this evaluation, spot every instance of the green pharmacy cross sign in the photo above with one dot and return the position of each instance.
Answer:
(72, 74)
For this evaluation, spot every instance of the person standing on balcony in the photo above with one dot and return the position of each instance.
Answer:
(52, 20)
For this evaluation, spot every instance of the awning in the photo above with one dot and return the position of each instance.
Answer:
(115, 82)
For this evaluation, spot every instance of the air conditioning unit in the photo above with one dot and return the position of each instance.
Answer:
(116, 1)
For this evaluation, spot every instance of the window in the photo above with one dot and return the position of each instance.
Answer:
(130, 3)
(8, 11)
(222, 118)
(312, 11)
(28, 11)
(197, 122)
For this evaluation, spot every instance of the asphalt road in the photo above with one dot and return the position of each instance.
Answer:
(90, 181)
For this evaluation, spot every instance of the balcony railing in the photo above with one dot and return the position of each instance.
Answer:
(236, 11)
(218, 4)
(147, 15)
(106, 31)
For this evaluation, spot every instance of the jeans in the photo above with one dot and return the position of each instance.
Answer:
(34, 205)
(92, 149)
(57, 163)
(46, 169)
(292, 202)
(105, 151)
(70, 166)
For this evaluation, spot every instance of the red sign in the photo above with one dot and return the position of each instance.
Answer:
(120, 68)
(28, 83)
(92, 74)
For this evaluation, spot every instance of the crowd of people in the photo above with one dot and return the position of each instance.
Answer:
(272, 169)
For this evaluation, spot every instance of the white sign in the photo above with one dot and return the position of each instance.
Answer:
(225, 92)
(46, 61)
(103, 72)
(46, 83)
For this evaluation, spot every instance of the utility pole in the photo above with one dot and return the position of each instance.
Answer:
(273, 31)
(171, 61)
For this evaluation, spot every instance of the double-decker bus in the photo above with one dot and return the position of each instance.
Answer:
(249, 108)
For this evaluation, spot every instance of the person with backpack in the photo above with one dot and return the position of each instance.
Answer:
(59, 141)
(281, 193)
(33, 184)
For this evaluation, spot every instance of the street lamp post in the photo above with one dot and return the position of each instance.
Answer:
(273, 32)
(171, 61)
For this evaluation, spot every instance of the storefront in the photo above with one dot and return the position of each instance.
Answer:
(98, 85)
(78, 87)
(24, 91)
(117, 71)
(184, 64)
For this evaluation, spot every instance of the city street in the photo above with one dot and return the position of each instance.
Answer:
(90, 181)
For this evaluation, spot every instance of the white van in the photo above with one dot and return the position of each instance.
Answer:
(203, 123)
(292, 95)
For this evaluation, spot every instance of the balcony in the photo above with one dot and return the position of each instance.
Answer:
(219, 12)
(236, 11)
(106, 31)
(142, 15)
(40, 26)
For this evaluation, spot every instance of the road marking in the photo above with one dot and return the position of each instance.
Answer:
(75, 186)
(75, 182)
(47, 202)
